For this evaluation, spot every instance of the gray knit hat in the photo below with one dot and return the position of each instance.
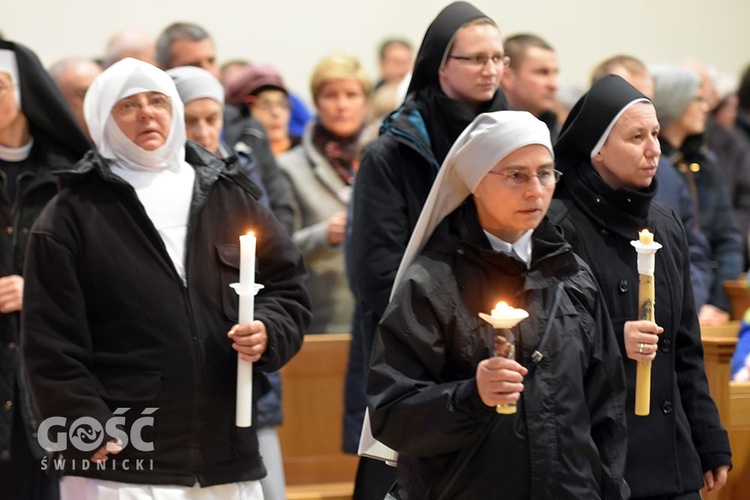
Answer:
(674, 88)
(195, 83)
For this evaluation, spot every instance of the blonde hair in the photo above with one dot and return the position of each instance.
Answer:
(335, 66)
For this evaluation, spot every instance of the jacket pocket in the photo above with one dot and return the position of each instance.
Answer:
(134, 398)
(228, 256)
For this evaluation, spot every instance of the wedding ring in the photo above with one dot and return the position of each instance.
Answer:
(640, 348)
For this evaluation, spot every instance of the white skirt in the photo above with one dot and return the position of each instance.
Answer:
(84, 488)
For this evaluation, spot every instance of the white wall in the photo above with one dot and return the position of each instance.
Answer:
(293, 34)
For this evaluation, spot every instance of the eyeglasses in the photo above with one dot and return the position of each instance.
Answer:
(5, 87)
(481, 61)
(517, 178)
(133, 105)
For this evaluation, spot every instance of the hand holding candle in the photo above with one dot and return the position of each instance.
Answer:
(646, 248)
(503, 318)
(246, 289)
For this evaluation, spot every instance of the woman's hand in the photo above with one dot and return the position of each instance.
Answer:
(249, 340)
(336, 228)
(500, 381)
(641, 340)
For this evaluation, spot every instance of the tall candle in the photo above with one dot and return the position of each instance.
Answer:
(246, 291)
(646, 248)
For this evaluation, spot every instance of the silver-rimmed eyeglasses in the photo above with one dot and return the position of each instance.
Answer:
(481, 61)
(519, 178)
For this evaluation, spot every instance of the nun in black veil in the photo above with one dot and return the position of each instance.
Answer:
(38, 135)
(456, 77)
(609, 151)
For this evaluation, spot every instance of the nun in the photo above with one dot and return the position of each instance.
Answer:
(456, 77)
(435, 382)
(130, 333)
(38, 136)
(608, 151)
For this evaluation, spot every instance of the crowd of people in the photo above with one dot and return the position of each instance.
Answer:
(396, 208)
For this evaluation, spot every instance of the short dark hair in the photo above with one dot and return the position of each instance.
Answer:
(517, 45)
(632, 64)
(172, 33)
(388, 42)
(743, 91)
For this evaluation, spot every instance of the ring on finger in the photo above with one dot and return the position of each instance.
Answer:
(640, 348)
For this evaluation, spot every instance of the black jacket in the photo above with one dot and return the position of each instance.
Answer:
(682, 437)
(109, 323)
(35, 187)
(568, 439)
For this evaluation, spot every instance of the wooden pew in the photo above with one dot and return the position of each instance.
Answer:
(313, 404)
(733, 401)
(739, 296)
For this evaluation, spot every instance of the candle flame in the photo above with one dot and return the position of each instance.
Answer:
(501, 309)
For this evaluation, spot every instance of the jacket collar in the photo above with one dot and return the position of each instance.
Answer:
(552, 259)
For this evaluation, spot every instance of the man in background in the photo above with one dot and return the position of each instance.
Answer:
(530, 82)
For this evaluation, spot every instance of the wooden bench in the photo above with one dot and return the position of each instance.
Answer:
(311, 436)
(733, 401)
(739, 296)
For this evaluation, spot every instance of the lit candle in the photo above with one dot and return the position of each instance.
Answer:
(246, 289)
(646, 248)
(503, 318)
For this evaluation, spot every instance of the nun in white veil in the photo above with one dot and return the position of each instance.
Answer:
(483, 236)
(132, 325)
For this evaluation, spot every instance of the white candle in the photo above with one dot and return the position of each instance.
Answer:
(246, 291)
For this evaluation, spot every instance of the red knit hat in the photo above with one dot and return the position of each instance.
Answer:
(250, 81)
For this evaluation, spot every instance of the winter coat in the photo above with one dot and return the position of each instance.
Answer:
(318, 192)
(682, 437)
(568, 438)
(109, 323)
(715, 214)
(35, 187)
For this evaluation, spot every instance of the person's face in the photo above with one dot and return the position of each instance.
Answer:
(523, 206)
(531, 85)
(693, 119)
(466, 81)
(202, 54)
(9, 112)
(341, 106)
(74, 83)
(144, 118)
(396, 63)
(203, 122)
(725, 113)
(631, 153)
(271, 108)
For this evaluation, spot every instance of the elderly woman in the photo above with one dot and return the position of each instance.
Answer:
(436, 378)
(260, 91)
(681, 103)
(203, 98)
(320, 171)
(130, 314)
(608, 151)
(38, 136)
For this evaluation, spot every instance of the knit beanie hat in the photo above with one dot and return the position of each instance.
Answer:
(674, 88)
(250, 81)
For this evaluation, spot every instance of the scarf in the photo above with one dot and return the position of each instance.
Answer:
(623, 211)
(446, 118)
(342, 153)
